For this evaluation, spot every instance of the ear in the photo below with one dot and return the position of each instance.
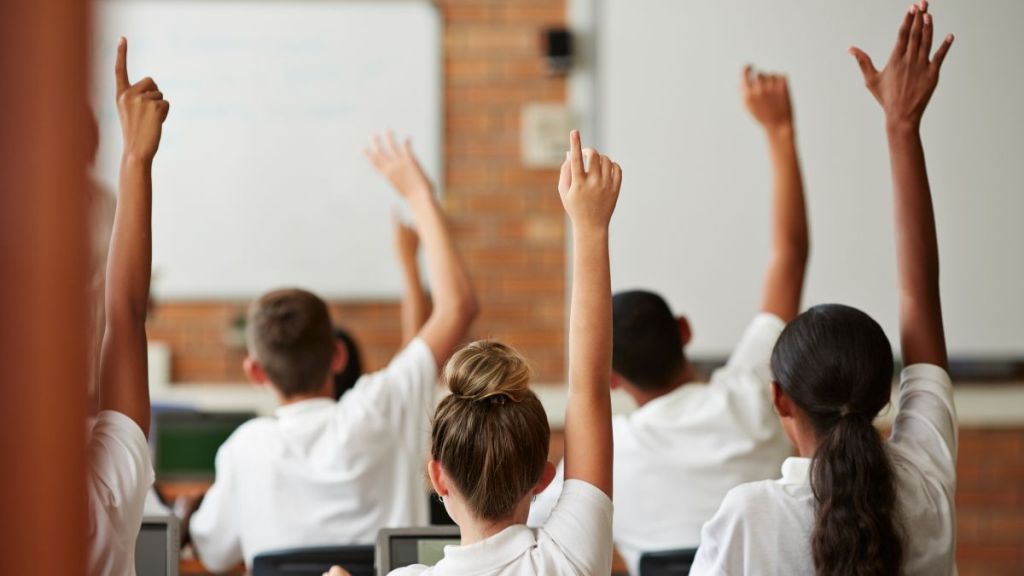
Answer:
(685, 334)
(545, 478)
(254, 371)
(437, 478)
(340, 358)
(783, 405)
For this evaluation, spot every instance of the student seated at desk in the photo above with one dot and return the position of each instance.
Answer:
(689, 442)
(853, 503)
(120, 469)
(489, 438)
(323, 471)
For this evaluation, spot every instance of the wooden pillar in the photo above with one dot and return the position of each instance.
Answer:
(43, 263)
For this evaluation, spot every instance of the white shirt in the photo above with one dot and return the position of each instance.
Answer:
(120, 475)
(323, 472)
(678, 455)
(765, 527)
(576, 540)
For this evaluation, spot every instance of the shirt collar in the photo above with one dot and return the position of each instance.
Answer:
(490, 554)
(796, 471)
(302, 408)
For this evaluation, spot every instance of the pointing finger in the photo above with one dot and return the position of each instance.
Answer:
(576, 155)
(121, 66)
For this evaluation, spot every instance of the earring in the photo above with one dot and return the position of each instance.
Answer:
(440, 499)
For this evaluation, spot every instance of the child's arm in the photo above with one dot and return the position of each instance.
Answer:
(455, 304)
(589, 196)
(767, 99)
(903, 88)
(123, 374)
(415, 304)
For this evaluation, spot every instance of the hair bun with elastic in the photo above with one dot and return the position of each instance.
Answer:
(488, 371)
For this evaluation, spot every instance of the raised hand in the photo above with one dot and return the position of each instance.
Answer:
(141, 107)
(767, 99)
(407, 240)
(589, 193)
(398, 164)
(907, 82)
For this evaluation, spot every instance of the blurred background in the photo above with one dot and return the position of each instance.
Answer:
(260, 183)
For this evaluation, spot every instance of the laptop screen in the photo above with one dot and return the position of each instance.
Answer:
(151, 550)
(187, 442)
(426, 550)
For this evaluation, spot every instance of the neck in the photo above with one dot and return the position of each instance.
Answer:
(477, 531)
(286, 400)
(642, 397)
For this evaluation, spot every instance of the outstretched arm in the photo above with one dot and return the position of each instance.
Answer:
(455, 304)
(903, 88)
(415, 303)
(589, 195)
(767, 99)
(124, 382)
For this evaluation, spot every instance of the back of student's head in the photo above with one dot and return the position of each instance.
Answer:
(491, 433)
(647, 347)
(347, 378)
(835, 363)
(289, 334)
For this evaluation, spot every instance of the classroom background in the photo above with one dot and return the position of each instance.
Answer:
(508, 223)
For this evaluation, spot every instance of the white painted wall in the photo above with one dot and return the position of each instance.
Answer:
(661, 96)
(259, 181)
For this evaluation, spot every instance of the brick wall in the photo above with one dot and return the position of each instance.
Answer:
(990, 502)
(507, 219)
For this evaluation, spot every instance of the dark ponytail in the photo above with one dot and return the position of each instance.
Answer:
(836, 364)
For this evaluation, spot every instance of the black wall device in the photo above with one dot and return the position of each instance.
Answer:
(558, 50)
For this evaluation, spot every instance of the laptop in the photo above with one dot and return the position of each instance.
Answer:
(158, 547)
(400, 547)
(185, 442)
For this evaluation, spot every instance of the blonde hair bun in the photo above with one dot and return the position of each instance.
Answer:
(488, 371)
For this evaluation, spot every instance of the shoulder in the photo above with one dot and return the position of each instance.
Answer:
(251, 435)
(413, 570)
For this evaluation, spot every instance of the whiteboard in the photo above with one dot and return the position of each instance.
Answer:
(693, 217)
(259, 181)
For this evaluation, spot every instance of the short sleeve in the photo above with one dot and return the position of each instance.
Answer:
(402, 393)
(214, 526)
(925, 429)
(120, 475)
(581, 526)
(722, 548)
(754, 350)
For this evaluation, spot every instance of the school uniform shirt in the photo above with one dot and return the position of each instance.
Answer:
(576, 540)
(120, 475)
(678, 455)
(323, 472)
(765, 527)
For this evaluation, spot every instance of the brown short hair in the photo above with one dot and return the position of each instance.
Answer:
(491, 434)
(289, 333)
